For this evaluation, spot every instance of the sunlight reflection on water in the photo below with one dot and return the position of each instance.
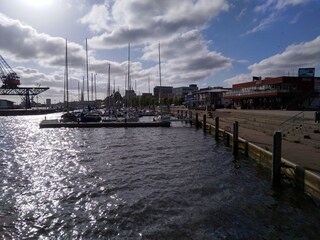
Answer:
(154, 183)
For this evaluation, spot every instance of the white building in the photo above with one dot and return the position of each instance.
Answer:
(6, 104)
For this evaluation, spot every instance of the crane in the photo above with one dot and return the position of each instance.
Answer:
(11, 82)
(9, 78)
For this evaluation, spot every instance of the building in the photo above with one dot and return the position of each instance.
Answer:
(48, 102)
(286, 92)
(166, 92)
(209, 98)
(183, 91)
(130, 94)
(6, 104)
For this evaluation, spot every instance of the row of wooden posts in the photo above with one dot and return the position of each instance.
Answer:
(277, 142)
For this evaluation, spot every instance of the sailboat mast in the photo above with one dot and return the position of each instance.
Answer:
(159, 78)
(129, 84)
(87, 69)
(95, 86)
(92, 87)
(66, 77)
(82, 90)
(109, 86)
(79, 98)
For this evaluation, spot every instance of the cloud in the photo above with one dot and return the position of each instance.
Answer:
(272, 8)
(23, 43)
(238, 79)
(272, 5)
(305, 54)
(98, 18)
(141, 21)
(266, 22)
(295, 56)
(177, 25)
(185, 54)
(31, 77)
(280, 4)
(188, 64)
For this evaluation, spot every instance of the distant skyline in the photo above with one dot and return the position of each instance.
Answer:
(203, 42)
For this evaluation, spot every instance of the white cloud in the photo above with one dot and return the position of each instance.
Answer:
(98, 18)
(272, 5)
(141, 21)
(238, 79)
(305, 54)
(264, 7)
(23, 43)
(295, 56)
(176, 24)
(280, 4)
(272, 8)
(186, 59)
(266, 22)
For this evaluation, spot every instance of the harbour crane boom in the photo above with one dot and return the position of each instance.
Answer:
(9, 78)
(11, 82)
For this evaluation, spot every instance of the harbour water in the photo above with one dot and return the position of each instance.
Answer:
(139, 183)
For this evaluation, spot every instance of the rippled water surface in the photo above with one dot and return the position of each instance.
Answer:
(138, 183)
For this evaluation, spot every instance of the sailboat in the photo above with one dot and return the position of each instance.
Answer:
(88, 114)
(161, 117)
(68, 116)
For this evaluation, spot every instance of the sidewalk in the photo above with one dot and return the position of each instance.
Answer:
(303, 155)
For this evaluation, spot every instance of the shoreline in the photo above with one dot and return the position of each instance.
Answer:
(300, 159)
(24, 112)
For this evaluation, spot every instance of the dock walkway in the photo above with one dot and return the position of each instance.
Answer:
(54, 123)
(258, 127)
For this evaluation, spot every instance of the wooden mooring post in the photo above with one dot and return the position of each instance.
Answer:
(235, 138)
(204, 123)
(197, 120)
(216, 128)
(276, 159)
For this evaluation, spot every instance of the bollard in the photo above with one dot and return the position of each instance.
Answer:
(235, 138)
(227, 139)
(204, 123)
(276, 159)
(197, 120)
(217, 128)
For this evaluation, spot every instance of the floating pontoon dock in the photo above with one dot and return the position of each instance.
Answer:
(55, 123)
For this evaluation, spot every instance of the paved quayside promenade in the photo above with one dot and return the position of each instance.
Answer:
(300, 146)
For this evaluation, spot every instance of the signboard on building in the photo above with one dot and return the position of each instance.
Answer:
(306, 72)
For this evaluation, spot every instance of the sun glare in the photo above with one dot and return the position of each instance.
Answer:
(39, 3)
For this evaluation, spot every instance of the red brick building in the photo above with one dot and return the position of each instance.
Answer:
(286, 92)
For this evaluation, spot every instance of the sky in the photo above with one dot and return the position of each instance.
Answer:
(204, 42)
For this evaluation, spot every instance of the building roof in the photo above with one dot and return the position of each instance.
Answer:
(5, 100)
(213, 90)
(270, 81)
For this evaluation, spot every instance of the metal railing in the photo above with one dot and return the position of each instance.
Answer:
(293, 125)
